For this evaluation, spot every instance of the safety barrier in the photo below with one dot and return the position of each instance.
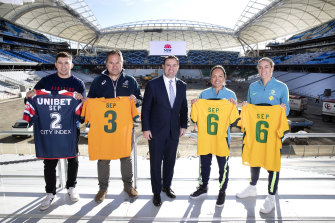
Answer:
(63, 165)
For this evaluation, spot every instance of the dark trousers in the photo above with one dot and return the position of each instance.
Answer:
(50, 174)
(273, 179)
(205, 170)
(162, 151)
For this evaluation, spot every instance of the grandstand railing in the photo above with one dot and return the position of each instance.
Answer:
(63, 165)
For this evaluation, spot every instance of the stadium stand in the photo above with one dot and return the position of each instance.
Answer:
(11, 29)
(12, 57)
(198, 57)
(324, 30)
(134, 56)
(302, 58)
(325, 58)
(38, 57)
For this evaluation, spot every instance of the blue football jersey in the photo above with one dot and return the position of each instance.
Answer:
(54, 115)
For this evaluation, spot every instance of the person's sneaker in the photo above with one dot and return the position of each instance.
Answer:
(250, 191)
(221, 199)
(269, 204)
(47, 201)
(74, 196)
(131, 192)
(100, 197)
(200, 192)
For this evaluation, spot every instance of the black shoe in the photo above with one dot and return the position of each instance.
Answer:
(157, 200)
(221, 199)
(201, 191)
(169, 192)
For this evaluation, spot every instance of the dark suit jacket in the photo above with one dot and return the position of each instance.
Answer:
(157, 114)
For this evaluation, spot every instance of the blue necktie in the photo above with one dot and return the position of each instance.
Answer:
(172, 95)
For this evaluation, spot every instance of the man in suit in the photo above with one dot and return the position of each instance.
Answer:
(164, 120)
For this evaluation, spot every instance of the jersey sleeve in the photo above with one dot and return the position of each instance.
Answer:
(134, 111)
(234, 116)
(241, 122)
(194, 112)
(84, 112)
(79, 109)
(29, 111)
(283, 126)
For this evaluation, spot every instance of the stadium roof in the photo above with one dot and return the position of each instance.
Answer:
(262, 20)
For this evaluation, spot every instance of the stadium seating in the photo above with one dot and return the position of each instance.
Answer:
(324, 30)
(325, 58)
(155, 60)
(302, 58)
(198, 57)
(11, 29)
(38, 57)
(136, 57)
(9, 56)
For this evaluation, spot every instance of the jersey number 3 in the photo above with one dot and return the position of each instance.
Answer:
(261, 127)
(110, 121)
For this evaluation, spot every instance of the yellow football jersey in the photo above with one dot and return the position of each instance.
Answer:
(263, 128)
(111, 123)
(213, 118)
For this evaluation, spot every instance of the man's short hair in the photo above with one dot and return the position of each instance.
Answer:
(115, 52)
(268, 60)
(219, 67)
(171, 57)
(64, 54)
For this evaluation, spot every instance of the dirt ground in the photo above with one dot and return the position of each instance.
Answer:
(12, 110)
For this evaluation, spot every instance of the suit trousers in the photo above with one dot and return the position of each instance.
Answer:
(50, 174)
(162, 151)
(273, 179)
(205, 169)
(126, 166)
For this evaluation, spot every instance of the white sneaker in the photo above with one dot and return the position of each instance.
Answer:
(269, 204)
(47, 201)
(74, 196)
(250, 191)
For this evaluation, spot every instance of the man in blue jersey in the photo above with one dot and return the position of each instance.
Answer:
(114, 82)
(62, 80)
(269, 91)
(217, 91)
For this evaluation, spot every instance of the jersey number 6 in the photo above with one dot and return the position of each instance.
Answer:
(260, 130)
(212, 126)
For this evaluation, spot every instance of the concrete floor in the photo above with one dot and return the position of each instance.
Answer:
(306, 193)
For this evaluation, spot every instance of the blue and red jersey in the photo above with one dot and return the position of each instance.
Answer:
(54, 115)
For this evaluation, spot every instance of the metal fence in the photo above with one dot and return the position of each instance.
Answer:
(63, 165)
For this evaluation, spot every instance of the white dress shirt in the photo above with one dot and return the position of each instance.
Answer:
(167, 85)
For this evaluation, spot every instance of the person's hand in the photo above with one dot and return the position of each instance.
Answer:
(147, 134)
(282, 105)
(231, 100)
(132, 97)
(30, 93)
(77, 95)
(244, 103)
(84, 99)
(182, 132)
(194, 100)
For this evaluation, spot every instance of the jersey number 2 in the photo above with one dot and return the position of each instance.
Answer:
(111, 121)
(260, 129)
(56, 119)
